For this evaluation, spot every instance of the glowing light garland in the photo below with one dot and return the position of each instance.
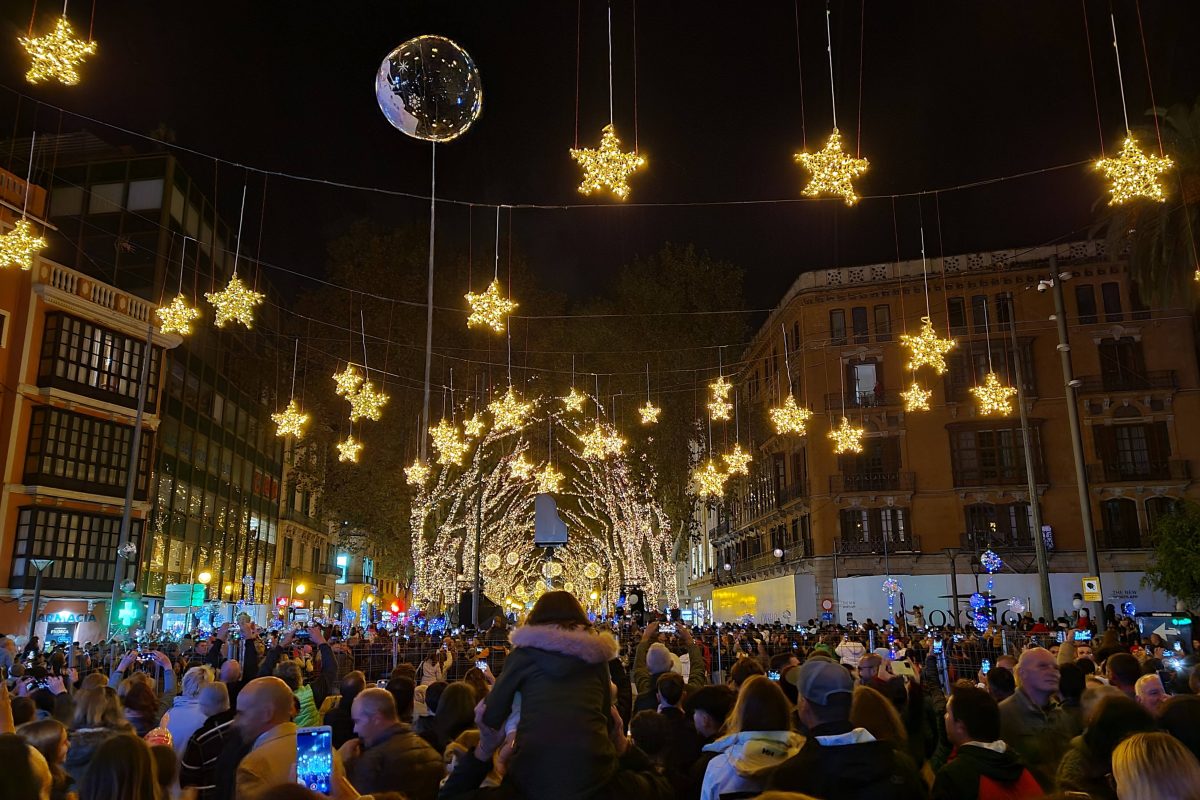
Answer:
(291, 421)
(348, 449)
(847, 438)
(709, 481)
(927, 348)
(607, 166)
(1134, 174)
(177, 316)
(489, 309)
(549, 480)
(737, 461)
(234, 303)
(475, 425)
(348, 380)
(57, 54)
(831, 170)
(416, 473)
(790, 417)
(20, 245)
(509, 411)
(649, 413)
(915, 398)
(574, 401)
(994, 398)
(367, 402)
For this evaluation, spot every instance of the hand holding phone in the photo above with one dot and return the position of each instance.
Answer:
(314, 758)
(985, 667)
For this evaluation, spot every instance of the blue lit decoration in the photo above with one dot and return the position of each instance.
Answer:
(1128, 608)
(992, 563)
(891, 587)
(978, 601)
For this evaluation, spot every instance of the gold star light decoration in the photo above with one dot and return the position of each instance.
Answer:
(348, 380)
(601, 442)
(416, 473)
(20, 245)
(790, 417)
(574, 400)
(367, 402)
(649, 413)
(549, 480)
(177, 316)
(995, 399)
(475, 425)
(709, 481)
(56, 55)
(450, 446)
(926, 349)
(489, 309)
(235, 303)
(916, 398)
(291, 421)
(718, 404)
(521, 468)
(831, 170)
(509, 411)
(1134, 174)
(846, 438)
(614, 442)
(607, 166)
(348, 449)
(737, 461)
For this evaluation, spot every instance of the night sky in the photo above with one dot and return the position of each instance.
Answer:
(951, 92)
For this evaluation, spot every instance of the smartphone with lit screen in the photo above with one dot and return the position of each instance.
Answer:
(314, 758)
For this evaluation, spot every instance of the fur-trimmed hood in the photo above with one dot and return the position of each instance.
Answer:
(586, 645)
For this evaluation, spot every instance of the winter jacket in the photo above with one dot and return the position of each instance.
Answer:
(562, 675)
(84, 743)
(744, 760)
(398, 760)
(1038, 735)
(1081, 770)
(185, 718)
(846, 763)
(338, 719)
(976, 772)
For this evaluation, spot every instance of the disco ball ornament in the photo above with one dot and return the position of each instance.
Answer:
(891, 586)
(491, 562)
(1016, 605)
(128, 586)
(247, 580)
(127, 551)
(429, 89)
(1128, 608)
(511, 559)
(978, 601)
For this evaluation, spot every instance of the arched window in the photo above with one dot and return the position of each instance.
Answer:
(1119, 517)
(1157, 508)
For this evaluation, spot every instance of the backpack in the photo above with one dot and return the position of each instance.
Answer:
(1023, 787)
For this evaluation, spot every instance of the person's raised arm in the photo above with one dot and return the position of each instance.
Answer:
(641, 675)
(114, 679)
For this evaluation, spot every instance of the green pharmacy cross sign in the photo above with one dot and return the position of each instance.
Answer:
(128, 612)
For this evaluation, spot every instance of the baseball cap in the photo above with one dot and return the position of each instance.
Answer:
(817, 680)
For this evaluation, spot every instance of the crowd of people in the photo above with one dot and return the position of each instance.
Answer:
(560, 707)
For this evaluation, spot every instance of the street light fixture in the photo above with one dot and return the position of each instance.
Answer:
(301, 588)
(205, 577)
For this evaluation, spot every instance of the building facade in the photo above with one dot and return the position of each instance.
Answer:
(810, 532)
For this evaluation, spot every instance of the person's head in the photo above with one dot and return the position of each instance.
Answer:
(1154, 766)
(1001, 683)
(558, 608)
(166, 764)
(353, 683)
(433, 695)
(760, 706)
(1083, 650)
(1037, 675)
(658, 659)
(213, 699)
(98, 708)
(291, 674)
(140, 699)
(455, 713)
(1150, 692)
(1122, 671)
(231, 671)
(23, 710)
(743, 669)
(972, 715)
(403, 691)
(49, 737)
(650, 731)
(1071, 681)
(670, 689)
(868, 667)
(262, 704)
(826, 691)
(871, 710)
(27, 775)
(1180, 717)
(373, 713)
(475, 679)
(709, 707)
(1089, 701)
(1115, 718)
(782, 662)
(93, 681)
(121, 769)
(194, 680)
(1009, 662)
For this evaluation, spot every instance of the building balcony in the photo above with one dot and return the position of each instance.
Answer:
(791, 492)
(995, 476)
(1133, 472)
(750, 567)
(1162, 379)
(867, 399)
(1008, 541)
(875, 545)
(1123, 539)
(872, 482)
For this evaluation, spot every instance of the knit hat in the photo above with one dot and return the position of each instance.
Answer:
(658, 658)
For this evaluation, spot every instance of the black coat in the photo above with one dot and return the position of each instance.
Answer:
(862, 771)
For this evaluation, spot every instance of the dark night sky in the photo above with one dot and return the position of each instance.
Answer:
(951, 92)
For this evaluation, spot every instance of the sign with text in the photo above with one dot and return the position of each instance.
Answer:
(182, 595)
(1091, 589)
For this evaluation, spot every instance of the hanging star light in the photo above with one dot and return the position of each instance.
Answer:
(489, 309)
(649, 413)
(475, 425)
(574, 400)
(847, 438)
(291, 421)
(709, 481)
(926, 348)
(450, 446)
(995, 399)
(348, 449)
(737, 461)
(367, 402)
(790, 417)
(614, 442)
(20, 245)
(831, 170)
(509, 411)
(607, 166)
(719, 409)
(594, 443)
(348, 380)
(721, 388)
(416, 473)
(235, 302)
(521, 468)
(549, 480)
(1134, 174)
(177, 316)
(57, 54)
(916, 398)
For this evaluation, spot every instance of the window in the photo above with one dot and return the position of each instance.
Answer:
(106, 198)
(979, 313)
(83, 453)
(66, 201)
(956, 308)
(287, 554)
(968, 363)
(1120, 519)
(876, 468)
(1159, 507)
(999, 525)
(873, 526)
(1085, 304)
(315, 563)
(1122, 364)
(3, 329)
(883, 323)
(992, 455)
(864, 384)
(1134, 451)
(837, 326)
(1111, 294)
(858, 316)
(145, 195)
(86, 359)
(1004, 311)
(83, 546)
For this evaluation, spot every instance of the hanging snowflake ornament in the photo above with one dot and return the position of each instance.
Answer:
(737, 461)
(489, 309)
(449, 444)
(926, 348)
(235, 303)
(1134, 174)
(790, 417)
(20, 245)
(607, 166)
(831, 170)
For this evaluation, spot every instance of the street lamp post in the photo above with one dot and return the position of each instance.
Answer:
(40, 565)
